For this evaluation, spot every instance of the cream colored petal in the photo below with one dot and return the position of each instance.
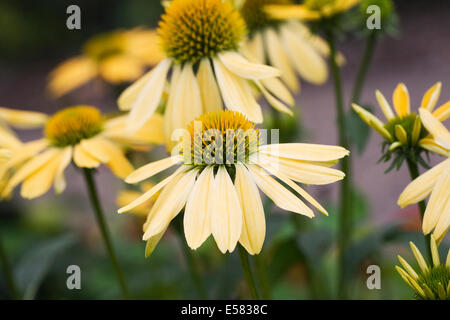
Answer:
(237, 93)
(121, 68)
(171, 108)
(241, 67)
(274, 102)
(256, 47)
(169, 203)
(281, 196)
(118, 163)
(23, 153)
(431, 97)
(150, 193)
(400, 99)
(7, 138)
(278, 89)
(23, 119)
(280, 60)
(443, 224)
(308, 63)
(293, 11)
(443, 112)
(438, 202)
(384, 105)
(152, 243)
(430, 145)
(422, 186)
(97, 148)
(209, 90)
(254, 222)
(152, 168)
(439, 132)
(147, 98)
(60, 181)
(5, 154)
(226, 218)
(83, 159)
(199, 207)
(305, 151)
(41, 180)
(372, 121)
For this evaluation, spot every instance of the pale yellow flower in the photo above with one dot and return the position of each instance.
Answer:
(431, 282)
(21, 119)
(127, 196)
(434, 182)
(311, 9)
(221, 198)
(206, 68)
(287, 45)
(81, 134)
(404, 128)
(118, 56)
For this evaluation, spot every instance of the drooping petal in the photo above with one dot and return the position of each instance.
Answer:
(400, 99)
(96, 147)
(209, 90)
(226, 219)
(83, 159)
(305, 151)
(439, 132)
(23, 119)
(241, 67)
(171, 109)
(254, 222)
(152, 242)
(274, 102)
(60, 181)
(118, 163)
(152, 168)
(199, 208)
(255, 47)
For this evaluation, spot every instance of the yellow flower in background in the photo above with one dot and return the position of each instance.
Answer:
(81, 134)
(404, 128)
(431, 282)
(206, 67)
(21, 119)
(287, 45)
(434, 182)
(221, 197)
(117, 56)
(310, 9)
(127, 196)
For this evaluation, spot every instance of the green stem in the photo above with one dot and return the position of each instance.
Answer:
(262, 276)
(9, 277)
(245, 263)
(345, 213)
(364, 66)
(92, 190)
(190, 260)
(414, 172)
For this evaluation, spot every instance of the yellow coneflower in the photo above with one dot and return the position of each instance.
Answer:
(81, 134)
(201, 39)
(311, 9)
(287, 45)
(431, 282)
(404, 131)
(117, 56)
(222, 165)
(434, 182)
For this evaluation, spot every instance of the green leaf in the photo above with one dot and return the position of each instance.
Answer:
(358, 130)
(35, 265)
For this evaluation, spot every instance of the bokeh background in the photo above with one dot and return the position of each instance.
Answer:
(46, 235)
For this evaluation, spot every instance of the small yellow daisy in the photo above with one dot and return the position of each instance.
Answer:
(81, 134)
(222, 165)
(201, 39)
(117, 56)
(434, 182)
(431, 282)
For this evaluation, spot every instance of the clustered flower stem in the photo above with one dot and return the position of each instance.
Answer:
(248, 274)
(8, 274)
(93, 195)
(414, 172)
(345, 212)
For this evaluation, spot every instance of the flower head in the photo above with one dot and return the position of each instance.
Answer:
(81, 134)
(201, 40)
(404, 133)
(431, 282)
(434, 182)
(223, 162)
(117, 56)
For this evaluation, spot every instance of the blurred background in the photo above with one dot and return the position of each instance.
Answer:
(46, 235)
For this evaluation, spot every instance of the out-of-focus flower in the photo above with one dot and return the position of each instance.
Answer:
(404, 131)
(223, 164)
(21, 119)
(434, 182)
(81, 134)
(310, 9)
(118, 56)
(127, 196)
(287, 45)
(432, 282)
(201, 39)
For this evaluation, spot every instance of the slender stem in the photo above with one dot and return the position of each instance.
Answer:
(245, 263)
(190, 260)
(345, 213)
(104, 230)
(364, 65)
(414, 172)
(9, 277)
(262, 276)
